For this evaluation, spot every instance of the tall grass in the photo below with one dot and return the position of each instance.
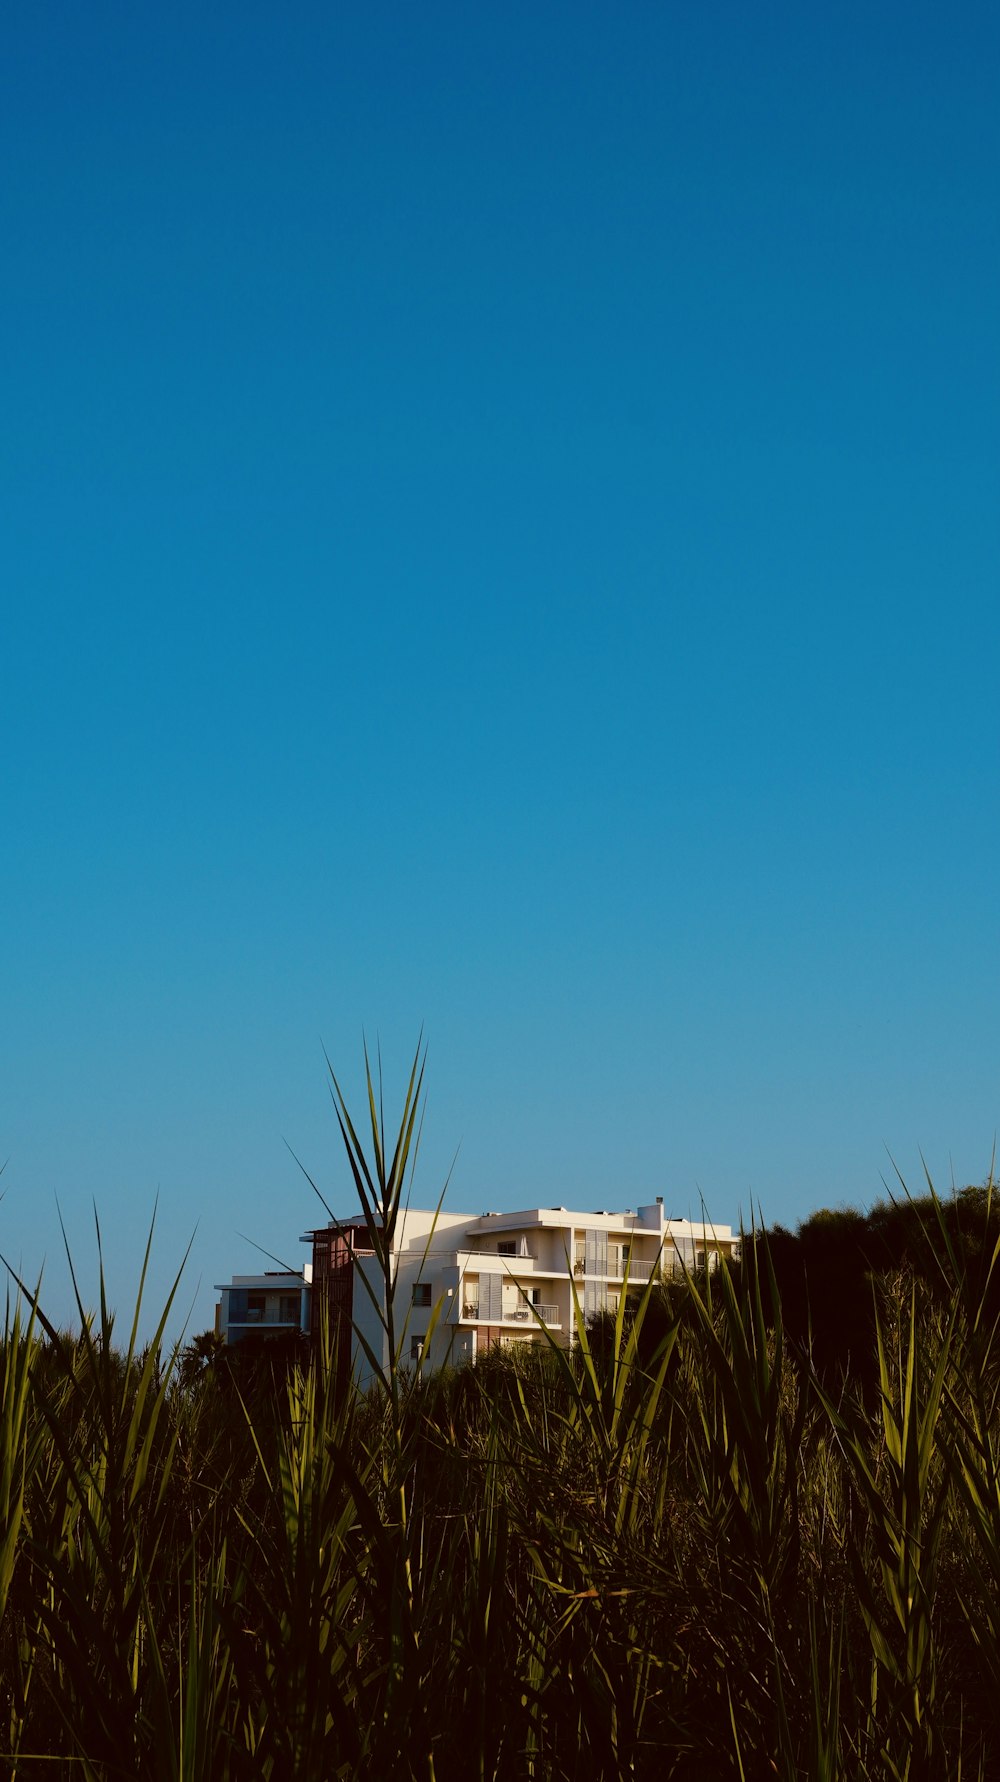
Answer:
(671, 1552)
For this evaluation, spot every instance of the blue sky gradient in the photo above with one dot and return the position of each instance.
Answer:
(501, 534)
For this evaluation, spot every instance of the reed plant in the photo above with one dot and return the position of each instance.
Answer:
(671, 1550)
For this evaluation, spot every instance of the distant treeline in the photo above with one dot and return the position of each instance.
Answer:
(828, 1272)
(823, 1283)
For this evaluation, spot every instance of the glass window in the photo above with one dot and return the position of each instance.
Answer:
(422, 1294)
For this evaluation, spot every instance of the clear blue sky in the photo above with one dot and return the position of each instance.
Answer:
(500, 532)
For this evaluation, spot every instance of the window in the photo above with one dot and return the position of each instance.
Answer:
(507, 1248)
(422, 1295)
(416, 1348)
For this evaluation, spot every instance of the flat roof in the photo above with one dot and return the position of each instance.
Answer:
(273, 1280)
(558, 1218)
(555, 1218)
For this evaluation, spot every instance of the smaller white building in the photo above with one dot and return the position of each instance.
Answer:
(274, 1303)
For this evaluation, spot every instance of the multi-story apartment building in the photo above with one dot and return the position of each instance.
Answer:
(275, 1303)
(461, 1284)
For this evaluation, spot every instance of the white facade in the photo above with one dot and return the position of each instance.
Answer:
(504, 1278)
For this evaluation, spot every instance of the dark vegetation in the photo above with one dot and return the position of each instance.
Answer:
(824, 1274)
(734, 1534)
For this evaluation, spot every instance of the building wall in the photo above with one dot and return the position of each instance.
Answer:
(274, 1303)
(461, 1283)
(335, 1252)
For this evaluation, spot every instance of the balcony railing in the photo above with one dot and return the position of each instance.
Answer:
(251, 1316)
(637, 1271)
(524, 1314)
(615, 1271)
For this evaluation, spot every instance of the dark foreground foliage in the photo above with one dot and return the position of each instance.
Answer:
(677, 1553)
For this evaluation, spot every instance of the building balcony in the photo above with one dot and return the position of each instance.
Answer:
(523, 1314)
(637, 1271)
(265, 1320)
(471, 1261)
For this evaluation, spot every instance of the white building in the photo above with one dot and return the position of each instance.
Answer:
(276, 1303)
(501, 1278)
